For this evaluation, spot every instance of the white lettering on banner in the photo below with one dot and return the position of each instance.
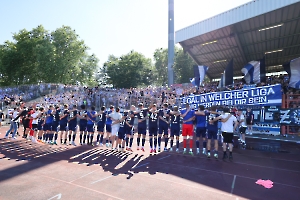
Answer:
(268, 116)
(255, 96)
(257, 100)
(256, 114)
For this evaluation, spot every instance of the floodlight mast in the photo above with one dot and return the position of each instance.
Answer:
(171, 44)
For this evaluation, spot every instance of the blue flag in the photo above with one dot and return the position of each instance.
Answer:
(255, 72)
(293, 69)
(192, 80)
(199, 74)
(227, 77)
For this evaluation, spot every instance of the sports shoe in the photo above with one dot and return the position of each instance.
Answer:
(177, 150)
(55, 143)
(70, 143)
(107, 145)
(101, 145)
(184, 151)
(230, 157)
(158, 149)
(143, 149)
(198, 151)
(73, 143)
(6, 137)
(165, 149)
(204, 151)
(138, 148)
(151, 151)
(191, 153)
(129, 149)
(154, 150)
(208, 154)
(97, 143)
(171, 149)
(216, 155)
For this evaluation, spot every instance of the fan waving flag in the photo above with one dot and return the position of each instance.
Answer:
(192, 80)
(293, 69)
(255, 72)
(227, 77)
(199, 74)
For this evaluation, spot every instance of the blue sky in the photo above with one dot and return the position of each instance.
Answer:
(109, 26)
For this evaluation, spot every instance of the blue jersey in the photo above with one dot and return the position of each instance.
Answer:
(56, 116)
(189, 115)
(91, 119)
(73, 114)
(49, 118)
(162, 114)
(212, 126)
(108, 119)
(65, 114)
(201, 120)
(175, 121)
(102, 119)
(141, 115)
(83, 114)
(153, 119)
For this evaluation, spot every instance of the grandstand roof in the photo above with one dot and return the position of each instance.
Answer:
(248, 32)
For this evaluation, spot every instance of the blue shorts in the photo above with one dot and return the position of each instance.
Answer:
(63, 127)
(212, 134)
(108, 128)
(153, 131)
(163, 129)
(90, 128)
(72, 127)
(142, 130)
(82, 126)
(40, 127)
(201, 132)
(121, 133)
(48, 127)
(175, 130)
(54, 126)
(129, 130)
(100, 127)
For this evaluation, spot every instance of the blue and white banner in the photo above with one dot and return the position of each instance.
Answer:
(259, 96)
(248, 71)
(199, 74)
(293, 69)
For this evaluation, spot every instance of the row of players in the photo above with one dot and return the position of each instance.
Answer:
(162, 124)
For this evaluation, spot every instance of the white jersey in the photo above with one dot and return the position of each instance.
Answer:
(228, 125)
(115, 116)
(35, 117)
(243, 123)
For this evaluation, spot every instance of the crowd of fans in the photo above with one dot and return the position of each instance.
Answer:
(123, 98)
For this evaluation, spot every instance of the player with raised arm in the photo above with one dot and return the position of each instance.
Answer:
(212, 130)
(201, 128)
(227, 132)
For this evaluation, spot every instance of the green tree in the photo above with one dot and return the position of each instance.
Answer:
(130, 70)
(183, 66)
(39, 56)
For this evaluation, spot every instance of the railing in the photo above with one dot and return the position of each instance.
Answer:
(290, 101)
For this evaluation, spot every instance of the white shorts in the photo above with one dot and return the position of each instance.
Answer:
(114, 130)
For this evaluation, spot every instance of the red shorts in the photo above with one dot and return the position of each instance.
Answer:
(187, 129)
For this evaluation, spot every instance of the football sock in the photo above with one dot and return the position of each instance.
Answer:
(204, 144)
(171, 143)
(155, 142)
(177, 144)
(92, 138)
(184, 143)
(151, 142)
(101, 139)
(69, 137)
(127, 141)
(80, 138)
(131, 141)
(74, 136)
(191, 143)
(166, 142)
(197, 144)
(159, 141)
(143, 142)
(138, 141)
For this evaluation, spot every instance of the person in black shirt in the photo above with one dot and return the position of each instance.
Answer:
(249, 120)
